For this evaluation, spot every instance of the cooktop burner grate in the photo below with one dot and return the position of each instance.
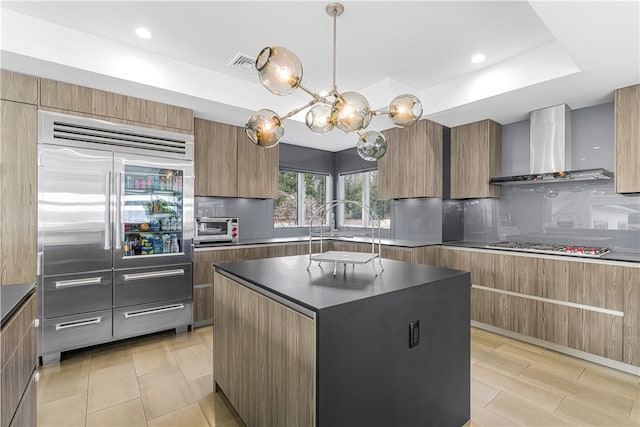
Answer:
(550, 248)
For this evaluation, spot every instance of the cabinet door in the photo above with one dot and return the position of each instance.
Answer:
(257, 169)
(475, 157)
(19, 87)
(202, 304)
(627, 139)
(18, 148)
(412, 166)
(273, 383)
(216, 159)
(631, 319)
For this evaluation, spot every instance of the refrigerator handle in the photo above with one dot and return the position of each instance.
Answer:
(118, 216)
(107, 222)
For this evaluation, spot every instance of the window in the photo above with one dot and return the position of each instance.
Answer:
(362, 187)
(299, 195)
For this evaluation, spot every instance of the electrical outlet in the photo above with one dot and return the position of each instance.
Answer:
(414, 333)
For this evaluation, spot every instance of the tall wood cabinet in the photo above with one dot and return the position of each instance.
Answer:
(227, 164)
(627, 139)
(18, 192)
(412, 166)
(475, 157)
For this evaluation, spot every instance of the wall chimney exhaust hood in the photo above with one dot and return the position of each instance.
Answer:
(550, 152)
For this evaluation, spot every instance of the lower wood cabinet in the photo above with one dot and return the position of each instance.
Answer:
(266, 365)
(17, 393)
(591, 307)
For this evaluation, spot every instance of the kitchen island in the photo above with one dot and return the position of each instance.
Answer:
(306, 348)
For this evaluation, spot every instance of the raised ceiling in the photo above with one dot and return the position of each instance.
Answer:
(538, 54)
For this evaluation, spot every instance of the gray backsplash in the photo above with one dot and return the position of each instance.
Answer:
(255, 216)
(417, 219)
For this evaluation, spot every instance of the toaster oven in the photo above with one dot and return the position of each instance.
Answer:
(208, 230)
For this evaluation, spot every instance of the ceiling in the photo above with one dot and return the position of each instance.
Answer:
(538, 54)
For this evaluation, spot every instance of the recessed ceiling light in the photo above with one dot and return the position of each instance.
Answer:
(143, 33)
(596, 148)
(478, 58)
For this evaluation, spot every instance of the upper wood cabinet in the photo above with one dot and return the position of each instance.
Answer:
(19, 87)
(216, 159)
(257, 169)
(412, 166)
(475, 157)
(18, 227)
(627, 139)
(98, 103)
(227, 164)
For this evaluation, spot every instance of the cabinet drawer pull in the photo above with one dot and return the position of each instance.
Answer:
(78, 282)
(155, 310)
(76, 323)
(152, 275)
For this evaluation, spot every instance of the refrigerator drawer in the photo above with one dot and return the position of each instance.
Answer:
(79, 330)
(147, 318)
(77, 293)
(146, 285)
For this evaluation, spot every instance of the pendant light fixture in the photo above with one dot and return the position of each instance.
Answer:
(280, 72)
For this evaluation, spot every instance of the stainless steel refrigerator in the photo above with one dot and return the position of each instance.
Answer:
(115, 232)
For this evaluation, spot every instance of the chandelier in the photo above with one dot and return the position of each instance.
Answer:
(280, 72)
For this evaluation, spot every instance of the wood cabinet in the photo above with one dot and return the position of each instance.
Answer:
(265, 357)
(631, 320)
(18, 192)
(412, 166)
(18, 340)
(475, 157)
(80, 100)
(227, 164)
(216, 159)
(18, 87)
(627, 139)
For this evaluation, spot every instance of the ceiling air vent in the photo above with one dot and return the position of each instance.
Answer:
(243, 62)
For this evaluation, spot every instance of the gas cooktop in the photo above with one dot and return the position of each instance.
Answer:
(549, 248)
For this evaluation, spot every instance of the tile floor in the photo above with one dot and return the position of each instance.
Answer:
(166, 380)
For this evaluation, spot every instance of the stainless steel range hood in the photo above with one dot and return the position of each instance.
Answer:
(550, 152)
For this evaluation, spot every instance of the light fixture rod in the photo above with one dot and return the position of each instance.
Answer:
(309, 91)
(297, 110)
(334, 50)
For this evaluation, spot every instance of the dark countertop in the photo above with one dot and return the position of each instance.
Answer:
(318, 289)
(12, 297)
(614, 255)
(305, 239)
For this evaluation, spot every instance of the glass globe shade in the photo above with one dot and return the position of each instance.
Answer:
(318, 119)
(351, 112)
(264, 128)
(405, 110)
(371, 145)
(280, 70)
(551, 193)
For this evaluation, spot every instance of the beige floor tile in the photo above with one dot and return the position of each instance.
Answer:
(236, 422)
(126, 414)
(543, 397)
(217, 409)
(63, 380)
(484, 417)
(568, 368)
(69, 411)
(498, 361)
(185, 340)
(109, 359)
(112, 385)
(482, 393)
(584, 414)
(635, 413)
(201, 386)
(588, 394)
(524, 413)
(153, 359)
(491, 341)
(191, 416)
(195, 361)
(164, 391)
(615, 382)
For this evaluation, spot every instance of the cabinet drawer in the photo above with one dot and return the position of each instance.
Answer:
(147, 318)
(76, 331)
(76, 293)
(146, 285)
(16, 374)
(26, 412)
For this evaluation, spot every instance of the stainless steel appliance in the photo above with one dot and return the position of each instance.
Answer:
(114, 231)
(209, 230)
(550, 248)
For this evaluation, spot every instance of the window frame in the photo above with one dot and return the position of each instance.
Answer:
(301, 194)
(366, 198)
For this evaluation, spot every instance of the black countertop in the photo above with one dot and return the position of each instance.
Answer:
(12, 297)
(305, 239)
(614, 255)
(318, 288)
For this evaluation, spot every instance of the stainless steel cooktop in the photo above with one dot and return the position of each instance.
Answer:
(549, 248)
